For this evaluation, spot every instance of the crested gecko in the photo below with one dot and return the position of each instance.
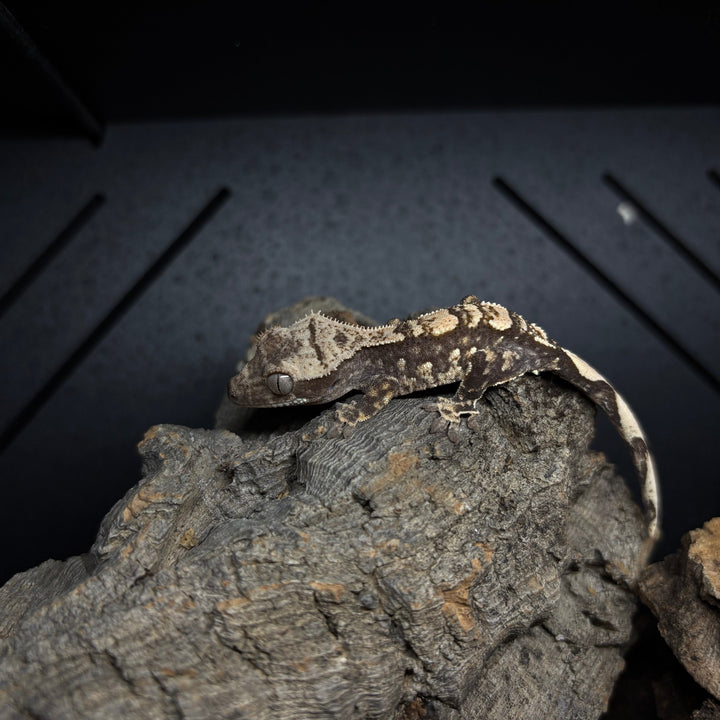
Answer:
(476, 343)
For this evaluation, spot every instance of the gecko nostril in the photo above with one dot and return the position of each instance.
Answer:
(231, 388)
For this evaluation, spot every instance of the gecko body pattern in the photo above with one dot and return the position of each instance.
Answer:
(477, 343)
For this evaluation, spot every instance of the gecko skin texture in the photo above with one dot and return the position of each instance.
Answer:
(476, 343)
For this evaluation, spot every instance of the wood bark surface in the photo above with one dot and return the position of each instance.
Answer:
(683, 592)
(709, 711)
(393, 574)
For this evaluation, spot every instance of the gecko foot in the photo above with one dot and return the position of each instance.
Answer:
(346, 418)
(340, 430)
(451, 410)
(439, 424)
(449, 414)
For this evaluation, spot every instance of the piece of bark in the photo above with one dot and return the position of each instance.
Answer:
(683, 592)
(709, 711)
(393, 574)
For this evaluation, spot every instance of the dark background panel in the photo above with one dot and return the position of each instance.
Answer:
(190, 59)
(235, 161)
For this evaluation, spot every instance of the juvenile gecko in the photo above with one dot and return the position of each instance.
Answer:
(480, 344)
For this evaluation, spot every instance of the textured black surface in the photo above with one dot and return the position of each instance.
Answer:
(391, 214)
(135, 61)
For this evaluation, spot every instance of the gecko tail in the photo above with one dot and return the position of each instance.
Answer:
(579, 373)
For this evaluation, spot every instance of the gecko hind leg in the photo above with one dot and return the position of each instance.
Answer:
(464, 402)
(449, 412)
(473, 386)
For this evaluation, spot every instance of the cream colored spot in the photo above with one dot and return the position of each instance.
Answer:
(453, 374)
(415, 328)
(509, 357)
(472, 350)
(380, 335)
(440, 322)
(454, 355)
(425, 371)
(585, 369)
(498, 316)
(541, 336)
(401, 364)
(474, 314)
(630, 428)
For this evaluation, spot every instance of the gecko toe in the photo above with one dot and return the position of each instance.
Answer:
(439, 425)
(474, 423)
(340, 430)
(335, 430)
(453, 433)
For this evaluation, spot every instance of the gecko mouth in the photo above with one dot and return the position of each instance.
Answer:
(287, 403)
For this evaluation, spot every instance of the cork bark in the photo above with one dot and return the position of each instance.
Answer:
(683, 592)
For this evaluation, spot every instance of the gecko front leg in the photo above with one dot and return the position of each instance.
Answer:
(373, 400)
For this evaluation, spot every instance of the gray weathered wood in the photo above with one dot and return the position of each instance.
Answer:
(709, 711)
(683, 592)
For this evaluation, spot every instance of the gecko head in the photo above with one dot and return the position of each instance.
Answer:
(295, 365)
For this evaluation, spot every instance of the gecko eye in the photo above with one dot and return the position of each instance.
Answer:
(279, 383)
